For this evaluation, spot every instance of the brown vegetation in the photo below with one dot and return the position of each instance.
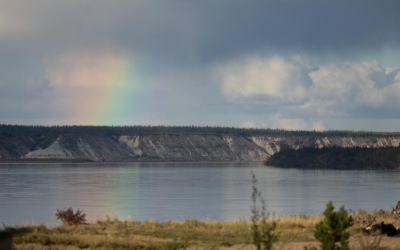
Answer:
(69, 218)
(294, 232)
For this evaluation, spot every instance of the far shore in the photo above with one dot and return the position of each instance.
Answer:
(29, 161)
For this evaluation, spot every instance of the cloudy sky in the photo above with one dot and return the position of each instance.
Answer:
(292, 64)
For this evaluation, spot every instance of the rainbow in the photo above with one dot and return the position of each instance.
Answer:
(119, 94)
(103, 87)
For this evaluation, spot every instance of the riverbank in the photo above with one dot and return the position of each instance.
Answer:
(294, 232)
(39, 161)
(159, 143)
(60, 161)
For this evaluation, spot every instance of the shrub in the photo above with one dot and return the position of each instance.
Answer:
(69, 218)
(333, 229)
(371, 245)
(264, 235)
(174, 245)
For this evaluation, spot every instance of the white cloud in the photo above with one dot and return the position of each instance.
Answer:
(347, 89)
(318, 126)
(276, 77)
(11, 24)
(179, 42)
(339, 87)
(389, 70)
(339, 81)
(91, 69)
(332, 89)
(20, 20)
(288, 123)
(392, 93)
(397, 77)
(248, 124)
(277, 121)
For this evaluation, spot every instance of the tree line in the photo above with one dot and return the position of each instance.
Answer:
(14, 130)
(337, 157)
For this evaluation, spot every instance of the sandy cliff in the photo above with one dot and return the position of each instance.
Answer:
(173, 147)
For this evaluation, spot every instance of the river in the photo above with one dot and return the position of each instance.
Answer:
(32, 193)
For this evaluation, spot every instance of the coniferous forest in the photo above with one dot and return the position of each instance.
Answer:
(337, 157)
(13, 130)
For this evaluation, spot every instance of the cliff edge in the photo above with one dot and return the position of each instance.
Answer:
(169, 144)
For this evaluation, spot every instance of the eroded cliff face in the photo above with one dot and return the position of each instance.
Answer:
(16, 146)
(173, 147)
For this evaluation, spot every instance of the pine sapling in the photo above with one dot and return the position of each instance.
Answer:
(264, 235)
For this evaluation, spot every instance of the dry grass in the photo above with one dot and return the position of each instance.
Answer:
(294, 232)
(363, 218)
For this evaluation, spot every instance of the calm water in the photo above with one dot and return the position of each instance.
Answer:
(175, 191)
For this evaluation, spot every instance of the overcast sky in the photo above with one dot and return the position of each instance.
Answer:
(292, 64)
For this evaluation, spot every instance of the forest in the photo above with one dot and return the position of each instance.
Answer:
(337, 158)
(36, 130)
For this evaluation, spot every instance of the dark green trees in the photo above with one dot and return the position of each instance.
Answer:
(332, 232)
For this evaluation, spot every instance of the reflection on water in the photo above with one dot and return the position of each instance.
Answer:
(175, 191)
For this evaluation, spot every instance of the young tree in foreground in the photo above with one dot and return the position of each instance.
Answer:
(332, 232)
(264, 235)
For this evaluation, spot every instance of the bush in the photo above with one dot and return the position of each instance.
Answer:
(371, 245)
(263, 232)
(69, 218)
(333, 229)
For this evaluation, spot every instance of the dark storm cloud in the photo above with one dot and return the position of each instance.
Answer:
(193, 38)
(293, 26)
(211, 30)
(191, 31)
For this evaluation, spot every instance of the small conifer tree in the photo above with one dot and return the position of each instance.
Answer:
(332, 232)
(264, 235)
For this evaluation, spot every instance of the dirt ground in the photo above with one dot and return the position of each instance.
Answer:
(358, 242)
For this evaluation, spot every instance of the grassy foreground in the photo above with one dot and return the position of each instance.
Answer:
(294, 232)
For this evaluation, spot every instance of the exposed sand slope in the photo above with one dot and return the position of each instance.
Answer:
(174, 147)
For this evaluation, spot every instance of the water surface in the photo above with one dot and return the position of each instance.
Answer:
(176, 191)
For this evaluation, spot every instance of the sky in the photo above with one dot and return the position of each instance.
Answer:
(288, 64)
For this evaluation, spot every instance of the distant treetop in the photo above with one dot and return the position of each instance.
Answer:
(14, 130)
